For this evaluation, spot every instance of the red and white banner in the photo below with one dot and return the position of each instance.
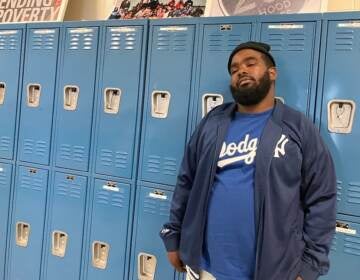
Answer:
(32, 10)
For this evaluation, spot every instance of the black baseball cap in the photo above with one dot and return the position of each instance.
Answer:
(257, 46)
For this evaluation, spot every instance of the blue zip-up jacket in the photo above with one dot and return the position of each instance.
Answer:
(295, 195)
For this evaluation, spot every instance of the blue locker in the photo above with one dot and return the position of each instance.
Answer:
(220, 37)
(38, 94)
(339, 121)
(66, 223)
(168, 90)
(28, 223)
(149, 260)
(295, 43)
(5, 188)
(345, 250)
(107, 257)
(75, 97)
(10, 57)
(120, 97)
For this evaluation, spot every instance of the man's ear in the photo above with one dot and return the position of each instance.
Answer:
(272, 73)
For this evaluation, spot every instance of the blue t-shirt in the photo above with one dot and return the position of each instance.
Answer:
(230, 237)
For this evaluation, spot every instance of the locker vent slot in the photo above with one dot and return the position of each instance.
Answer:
(33, 147)
(32, 181)
(73, 153)
(106, 197)
(5, 143)
(223, 41)
(146, 266)
(352, 245)
(344, 39)
(100, 254)
(82, 38)
(334, 244)
(339, 188)
(123, 38)
(22, 234)
(114, 158)
(157, 205)
(353, 193)
(59, 243)
(43, 39)
(9, 40)
(294, 40)
(167, 166)
(69, 188)
(2, 93)
(172, 41)
(33, 95)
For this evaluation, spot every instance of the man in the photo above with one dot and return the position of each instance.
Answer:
(256, 192)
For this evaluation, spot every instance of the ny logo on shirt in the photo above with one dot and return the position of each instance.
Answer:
(280, 146)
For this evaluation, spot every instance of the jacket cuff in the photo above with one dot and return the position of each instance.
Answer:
(171, 242)
(307, 272)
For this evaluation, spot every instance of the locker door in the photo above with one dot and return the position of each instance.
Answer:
(294, 49)
(149, 256)
(218, 42)
(119, 98)
(38, 95)
(28, 223)
(10, 55)
(109, 224)
(167, 101)
(66, 227)
(5, 185)
(345, 250)
(340, 126)
(75, 98)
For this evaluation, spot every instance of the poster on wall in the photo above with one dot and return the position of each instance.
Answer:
(131, 9)
(262, 7)
(32, 10)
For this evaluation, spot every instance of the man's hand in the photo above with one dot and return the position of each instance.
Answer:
(175, 261)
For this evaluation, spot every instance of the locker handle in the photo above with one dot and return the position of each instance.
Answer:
(59, 243)
(2, 93)
(341, 115)
(160, 102)
(22, 234)
(71, 96)
(112, 98)
(345, 228)
(281, 99)
(146, 266)
(33, 95)
(100, 254)
(210, 101)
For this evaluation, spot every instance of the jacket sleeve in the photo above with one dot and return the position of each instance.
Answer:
(170, 232)
(318, 193)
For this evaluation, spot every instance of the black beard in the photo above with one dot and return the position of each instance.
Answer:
(253, 95)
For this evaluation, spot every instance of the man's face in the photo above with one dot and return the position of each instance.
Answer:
(251, 78)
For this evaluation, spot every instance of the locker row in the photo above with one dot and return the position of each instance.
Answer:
(95, 116)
